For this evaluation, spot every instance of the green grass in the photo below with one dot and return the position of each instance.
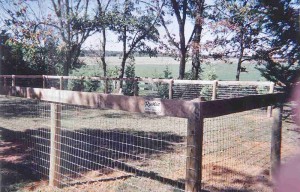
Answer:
(153, 67)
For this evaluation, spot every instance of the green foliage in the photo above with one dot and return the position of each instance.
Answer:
(163, 89)
(128, 88)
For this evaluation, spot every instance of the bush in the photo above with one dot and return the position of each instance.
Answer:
(128, 88)
(163, 89)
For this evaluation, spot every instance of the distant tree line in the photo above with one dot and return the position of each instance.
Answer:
(46, 37)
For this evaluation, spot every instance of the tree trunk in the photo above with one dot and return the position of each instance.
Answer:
(103, 54)
(196, 68)
(239, 65)
(182, 51)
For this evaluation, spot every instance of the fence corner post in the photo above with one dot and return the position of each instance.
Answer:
(271, 90)
(214, 91)
(13, 80)
(171, 83)
(194, 151)
(55, 145)
(276, 136)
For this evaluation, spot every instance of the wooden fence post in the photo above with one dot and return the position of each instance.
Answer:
(271, 90)
(61, 83)
(5, 82)
(44, 82)
(13, 80)
(194, 153)
(106, 85)
(276, 140)
(171, 88)
(55, 145)
(82, 83)
(214, 90)
(135, 87)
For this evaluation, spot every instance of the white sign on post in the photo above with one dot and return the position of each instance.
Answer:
(153, 106)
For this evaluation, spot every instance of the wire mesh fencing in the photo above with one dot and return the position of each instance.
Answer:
(230, 90)
(102, 150)
(236, 152)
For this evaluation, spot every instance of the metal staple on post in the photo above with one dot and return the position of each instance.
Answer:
(194, 152)
(271, 90)
(276, 140)
(55, 145)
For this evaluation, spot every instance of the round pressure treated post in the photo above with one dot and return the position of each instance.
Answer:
(55, 145)
(194, 154)
(276, 141)
(271, 90)
(135, 87)
(106, 85)
(171, 89)
(214, 90)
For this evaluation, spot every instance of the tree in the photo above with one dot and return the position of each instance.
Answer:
(280, 59)
(237, 29)
(102, 24)
(134, 26)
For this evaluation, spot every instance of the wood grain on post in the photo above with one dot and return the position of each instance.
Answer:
(171, 83)
(276, 140)
(55, 145)
(194, 154)
(214, 90)
(271, 90)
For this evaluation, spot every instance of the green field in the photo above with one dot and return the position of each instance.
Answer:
(153, 67)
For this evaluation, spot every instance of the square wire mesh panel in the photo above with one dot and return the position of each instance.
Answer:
(192, 91)
(236, 152)
(154, 90)
(99, 150)
(121, 151)
(29, 82)
(230, 91)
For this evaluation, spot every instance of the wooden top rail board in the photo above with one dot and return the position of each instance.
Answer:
(234, 105)
(162, 107)
(193, 82)
(246, 83)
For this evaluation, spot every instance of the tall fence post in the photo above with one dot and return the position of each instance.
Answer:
(61, 83)
(82, 83)
(55, 145)
(271, 90)
(194, 153)
(276, 140)
(214, 90)
(171, 88)
(13, 80)
(44, 82)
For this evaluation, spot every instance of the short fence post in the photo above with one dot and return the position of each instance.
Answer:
(135, 87)
(13, 80)
(194, 154)
(214, 90)
(171, 89)
(61, 83)
(106, 85)
(82, 84)
(276, 140)
(5, 82)
(271, 90)
(44, 82)
(55, 145)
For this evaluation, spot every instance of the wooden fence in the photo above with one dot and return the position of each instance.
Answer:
(194, 111)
